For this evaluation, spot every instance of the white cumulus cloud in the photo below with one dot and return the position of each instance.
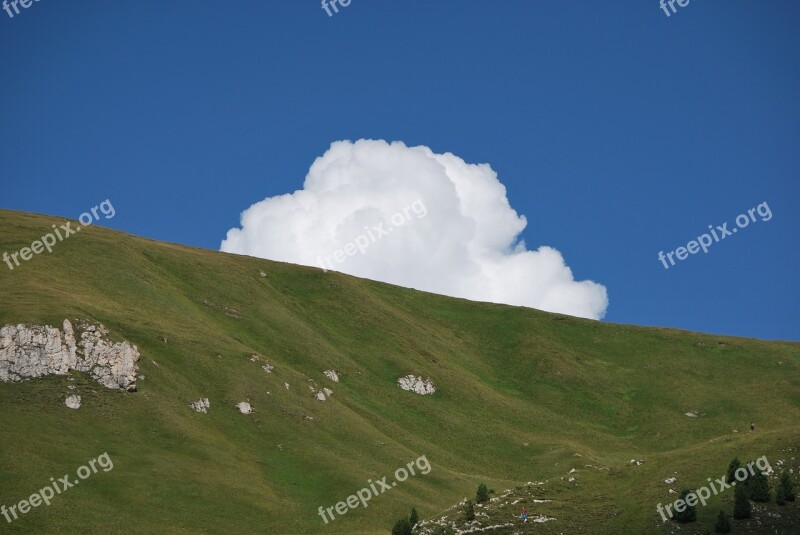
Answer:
(411, 217)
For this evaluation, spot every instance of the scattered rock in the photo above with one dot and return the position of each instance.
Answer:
(229, 311)
(691, 414)
(201, 405)
(262, 273)
(332, 375)
(670, 480)
(244, 407)
(286, 385)
(267, 368)
(320, 396)
(635, 462)
(73, 402)
(416, 385)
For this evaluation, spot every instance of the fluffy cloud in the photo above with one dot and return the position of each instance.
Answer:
(408, 216)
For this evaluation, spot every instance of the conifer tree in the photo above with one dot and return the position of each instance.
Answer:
(723, 524)
(741, 504)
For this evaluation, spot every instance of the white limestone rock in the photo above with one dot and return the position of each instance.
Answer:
(113, 365)
(244, 407)
(73, 402)
(201, 405)
(31, 351)
(332, 375)
(416, 385)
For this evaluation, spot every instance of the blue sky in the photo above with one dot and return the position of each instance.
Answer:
(618, 132)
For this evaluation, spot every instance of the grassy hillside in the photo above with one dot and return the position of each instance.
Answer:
(522, 396)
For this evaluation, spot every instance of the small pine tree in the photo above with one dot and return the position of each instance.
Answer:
(723, 524)
(780, 496)
(734, 464)
(469, 511)
(787, 486)
(758, 486)
(741, 505)
(414, 518)
(483, 494)
(402, 527)
(689, 514)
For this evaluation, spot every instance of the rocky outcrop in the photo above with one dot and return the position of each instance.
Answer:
(244, 407)
(416, 385)
(73, 402)
(30, 351)
(113, 365)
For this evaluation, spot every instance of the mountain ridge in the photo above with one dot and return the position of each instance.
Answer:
(519, 392)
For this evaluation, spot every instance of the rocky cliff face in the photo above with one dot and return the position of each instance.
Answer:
(30, 351)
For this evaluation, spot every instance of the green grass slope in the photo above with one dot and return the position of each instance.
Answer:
(522, 396)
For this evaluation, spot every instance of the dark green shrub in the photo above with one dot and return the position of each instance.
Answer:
(469, 511)
(414, 518)
(723, 525)
(734, 464)
(758, 486)
(402, 527)
(741, 503)
(787, 486)
(689, 514)
(482, 495)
